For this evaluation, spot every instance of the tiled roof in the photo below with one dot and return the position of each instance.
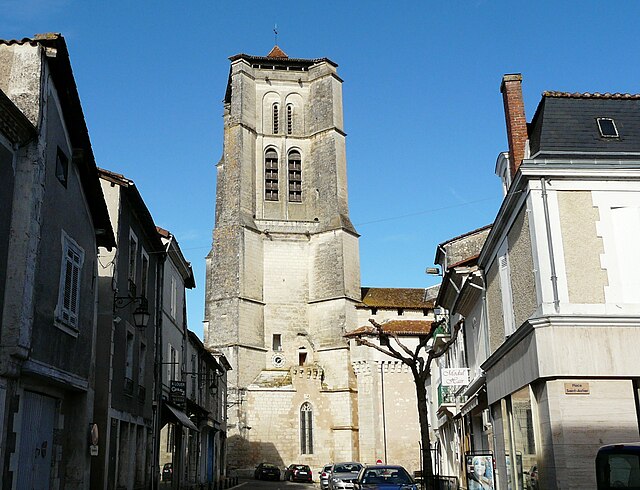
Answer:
(400, 327)
(394, 298)
(587, 95)
(276, 52)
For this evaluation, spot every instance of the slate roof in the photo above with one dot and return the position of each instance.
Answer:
(565, 126)
(394, 298)
(64, 81)
(400, 327)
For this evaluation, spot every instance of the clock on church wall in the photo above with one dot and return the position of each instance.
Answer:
(278, 360)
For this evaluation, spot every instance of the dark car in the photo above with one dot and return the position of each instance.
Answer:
(167, 472)
(384, 477)
(266, 471)
(298, 472)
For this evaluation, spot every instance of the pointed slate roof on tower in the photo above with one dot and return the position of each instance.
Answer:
(276, 52)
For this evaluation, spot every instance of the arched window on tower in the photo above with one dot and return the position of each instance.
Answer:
(306, 428)
(295, 176)
(276, 120)
(289, 118)
(271, 175)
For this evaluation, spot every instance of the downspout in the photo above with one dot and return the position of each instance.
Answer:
(157, 370)
(552, 263)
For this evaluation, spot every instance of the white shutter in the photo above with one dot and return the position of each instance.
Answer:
(505, 288)
(71, 268)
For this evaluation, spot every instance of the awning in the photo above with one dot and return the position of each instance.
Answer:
(181, 417)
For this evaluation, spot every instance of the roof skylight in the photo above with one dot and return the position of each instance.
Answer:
(607, 127)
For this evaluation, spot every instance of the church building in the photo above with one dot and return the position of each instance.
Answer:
(283, 276)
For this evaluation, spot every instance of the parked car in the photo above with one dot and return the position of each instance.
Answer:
(384, 477)
(298, 472)
(266, 471)
(325, 474)
(618, 466)
(343, 475)
(167, 472)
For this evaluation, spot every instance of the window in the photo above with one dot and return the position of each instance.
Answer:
(173, 306)
(128, 374)
(133, 258)
(271, 175)
(276, 121)
(172, 367)
(277, 342)
(607, 127)
(306, 428)
(302, 357)
(69, 293)
(289, 119)
(62, 167)
(144, 275)
(295, 176)
(142, 360)
(400, 312)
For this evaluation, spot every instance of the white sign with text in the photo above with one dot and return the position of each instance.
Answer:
(455, 376)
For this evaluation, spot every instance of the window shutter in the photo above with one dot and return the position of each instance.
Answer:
(69, 301)
(505, 287)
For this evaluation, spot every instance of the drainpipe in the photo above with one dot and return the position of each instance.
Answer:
(157, 371)
(384, 418)
(552, 263)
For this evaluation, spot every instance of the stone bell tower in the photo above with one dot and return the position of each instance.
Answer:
(283, 275)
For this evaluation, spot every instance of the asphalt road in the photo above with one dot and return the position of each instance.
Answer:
(274, 485)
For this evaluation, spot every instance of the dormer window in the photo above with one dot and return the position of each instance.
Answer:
(607, 127)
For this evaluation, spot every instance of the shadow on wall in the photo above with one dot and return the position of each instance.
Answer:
(245, 455)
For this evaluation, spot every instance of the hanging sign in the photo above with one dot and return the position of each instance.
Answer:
(455, 376)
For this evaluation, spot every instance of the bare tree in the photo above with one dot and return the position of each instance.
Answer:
(419, 361)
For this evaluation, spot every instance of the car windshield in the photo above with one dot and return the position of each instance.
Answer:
(268, 465)
(347, 468)
(386, 476)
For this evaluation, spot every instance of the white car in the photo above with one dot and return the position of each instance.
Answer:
(343, 475)
(325, 474)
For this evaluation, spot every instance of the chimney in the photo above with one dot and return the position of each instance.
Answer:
(511, 89)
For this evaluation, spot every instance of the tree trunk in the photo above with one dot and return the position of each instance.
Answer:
(423, 417)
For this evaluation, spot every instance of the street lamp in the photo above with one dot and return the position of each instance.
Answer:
(140, 314)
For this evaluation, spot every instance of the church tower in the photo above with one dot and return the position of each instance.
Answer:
(283, 274)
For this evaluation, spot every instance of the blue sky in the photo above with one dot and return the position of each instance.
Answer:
(422, 105)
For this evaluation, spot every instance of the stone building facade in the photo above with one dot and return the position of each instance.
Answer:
(283, 276)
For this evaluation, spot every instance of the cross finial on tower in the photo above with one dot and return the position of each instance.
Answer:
(275, 32)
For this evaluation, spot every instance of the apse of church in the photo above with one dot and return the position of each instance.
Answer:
(283, 276)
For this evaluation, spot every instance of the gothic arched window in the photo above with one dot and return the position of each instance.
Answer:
(306, 428)
(276, 116)
(289, 119)
(270, 175)
(295, 176)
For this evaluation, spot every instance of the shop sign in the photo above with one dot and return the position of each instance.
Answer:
(576, 389)
(455, 376)
(178, 393)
